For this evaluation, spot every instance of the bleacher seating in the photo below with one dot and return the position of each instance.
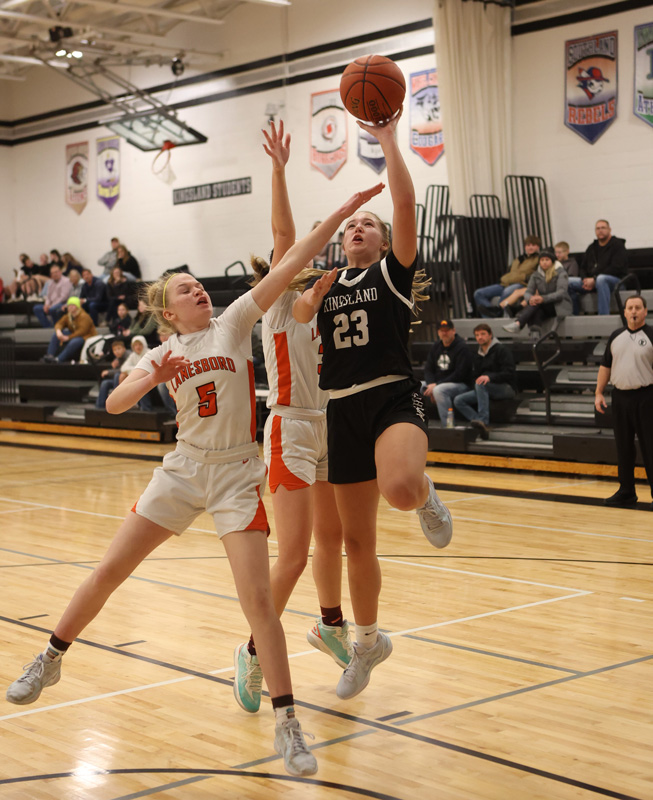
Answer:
(575, 431)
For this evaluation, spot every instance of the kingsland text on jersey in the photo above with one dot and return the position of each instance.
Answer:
(202, 365)
(361, 296)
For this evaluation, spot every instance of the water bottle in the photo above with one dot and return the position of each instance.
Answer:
(450, 423)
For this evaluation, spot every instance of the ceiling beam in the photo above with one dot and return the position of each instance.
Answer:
(154, 11)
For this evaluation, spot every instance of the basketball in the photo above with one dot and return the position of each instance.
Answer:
(372, 88)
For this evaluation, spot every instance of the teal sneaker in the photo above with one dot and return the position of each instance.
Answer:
(332, 640)
(248, 679)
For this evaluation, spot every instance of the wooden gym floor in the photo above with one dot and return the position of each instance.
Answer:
(522, 664)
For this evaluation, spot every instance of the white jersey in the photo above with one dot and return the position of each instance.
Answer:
(214, 395)
(293, 359)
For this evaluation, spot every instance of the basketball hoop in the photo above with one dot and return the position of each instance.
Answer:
(165, 161)
(161, 164)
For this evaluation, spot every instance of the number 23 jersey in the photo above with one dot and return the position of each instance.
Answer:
(364, 321)
(214, 395)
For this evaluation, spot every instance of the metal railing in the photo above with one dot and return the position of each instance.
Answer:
(528, 209)
(630, 278)
(542, 365)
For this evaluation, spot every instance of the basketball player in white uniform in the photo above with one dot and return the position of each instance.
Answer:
(377, 427)
(207, 366)
(295, 446)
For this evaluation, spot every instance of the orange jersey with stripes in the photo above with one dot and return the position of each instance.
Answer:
(293, 358)
(214, 395)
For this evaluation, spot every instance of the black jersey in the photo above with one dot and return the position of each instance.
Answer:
(364, 322)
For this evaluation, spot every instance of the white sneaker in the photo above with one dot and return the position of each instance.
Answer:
(435, 519)
(512, 327)
(357, 675)
(289, 742)
(37, 675)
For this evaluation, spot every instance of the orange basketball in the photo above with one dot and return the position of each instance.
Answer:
(372, 88)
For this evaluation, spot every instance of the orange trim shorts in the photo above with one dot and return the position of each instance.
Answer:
(295, 451)
(182, 488)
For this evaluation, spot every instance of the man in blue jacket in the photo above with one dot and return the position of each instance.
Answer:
(93, 295)
(493, 374)
(447, 371)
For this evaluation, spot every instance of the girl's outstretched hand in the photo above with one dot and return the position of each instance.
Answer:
(318, 290)
(276, 146)
(169, 366)
(385, 129)
(358, 199)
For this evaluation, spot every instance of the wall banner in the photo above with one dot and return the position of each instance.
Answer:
(77, 176)
(328, 132)
(108, 170)
(370, 152)
(591, 84)
(426, 138)
(643, 102)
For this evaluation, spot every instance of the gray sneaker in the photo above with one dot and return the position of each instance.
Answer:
(289, 742)
(37, 675)
(435, 519)
(357, 675)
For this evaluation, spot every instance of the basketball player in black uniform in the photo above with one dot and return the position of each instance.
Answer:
(376, 423)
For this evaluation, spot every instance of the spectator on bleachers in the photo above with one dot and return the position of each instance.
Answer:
(447, 371)
(512, 285)
(57, 292)
(145, 324)
(119, 290)
(628, 365)
(93, 294)
(70, 332)
(570, 264)
(546, 296)
(128, 263)
(493, 376)
(76, 280)
(56, 259)
(605, 263)
(69, 262)
(109, 259)
(110, 377)
(139, 349)
(121, 324)
(27, 283)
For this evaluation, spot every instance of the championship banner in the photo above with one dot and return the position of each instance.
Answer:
(591, 92)
(643, 103)
(108, 170)
(370, 152)
(77, 176)
(328, 132)
(426, 138)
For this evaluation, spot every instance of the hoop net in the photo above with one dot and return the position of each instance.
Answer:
(161, 164)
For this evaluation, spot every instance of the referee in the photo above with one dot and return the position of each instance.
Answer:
(628, 365)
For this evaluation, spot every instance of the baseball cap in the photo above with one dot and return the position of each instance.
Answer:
(445, 324)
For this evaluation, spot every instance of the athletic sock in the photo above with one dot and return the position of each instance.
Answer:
(332, 616)
(283, 707)
(56, 648)
(366, 635)
(251, 647)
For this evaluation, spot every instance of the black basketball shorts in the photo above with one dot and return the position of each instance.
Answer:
(355, 422)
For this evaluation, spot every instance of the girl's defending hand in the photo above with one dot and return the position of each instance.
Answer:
(358, 199)
(169, 366)
(276, 146)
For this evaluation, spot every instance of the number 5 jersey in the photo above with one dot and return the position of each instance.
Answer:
(214, 395)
